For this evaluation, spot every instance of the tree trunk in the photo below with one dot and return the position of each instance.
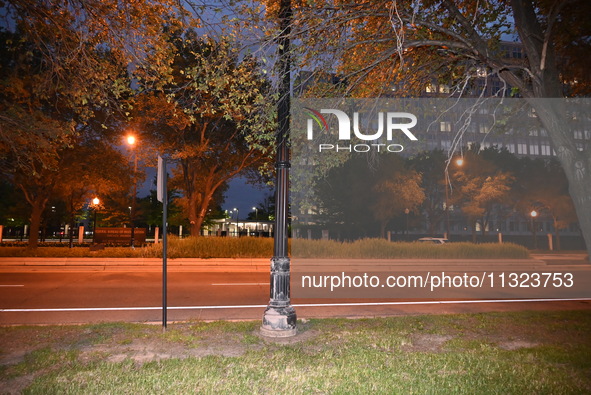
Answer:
(580, 191)
(36, 212)
(576, 164)
(546, 83)
(383, 229)
(194, 222)
(71, 232)
(198, 210)
(557, 235)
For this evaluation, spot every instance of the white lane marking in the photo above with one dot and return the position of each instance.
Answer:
(258, 306)
(241, 284)
(10, 285)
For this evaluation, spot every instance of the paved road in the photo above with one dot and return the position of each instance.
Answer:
(45, 294)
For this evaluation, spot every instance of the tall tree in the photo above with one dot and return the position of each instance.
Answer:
(480, 188)
(90, 168)
(385, 43)
(400, 191)
(213, 119)
(543, 186)
(431, 166)
(62, 63)
(362, 196)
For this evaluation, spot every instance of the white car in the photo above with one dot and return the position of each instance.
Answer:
(433, 240)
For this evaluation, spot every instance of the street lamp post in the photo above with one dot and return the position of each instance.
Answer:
(95, 202)
(237, 224)
(459, 162)
(406, 211)
(131, 140)
(279, 318)
(533, 215)
(256, 218)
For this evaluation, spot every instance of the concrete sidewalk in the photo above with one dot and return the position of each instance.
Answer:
(14, 264)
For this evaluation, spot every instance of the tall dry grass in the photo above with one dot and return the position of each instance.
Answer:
(253, 247)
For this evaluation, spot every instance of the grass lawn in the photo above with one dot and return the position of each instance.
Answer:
(503, 353)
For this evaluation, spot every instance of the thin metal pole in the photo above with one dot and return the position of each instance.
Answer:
(132, 214)
(94, 226)
(279, 319)
(446, 204)
(164, 244)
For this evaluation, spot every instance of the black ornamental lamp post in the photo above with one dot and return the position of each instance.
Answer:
(279, 318)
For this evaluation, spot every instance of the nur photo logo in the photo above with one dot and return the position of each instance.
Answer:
(388, 124)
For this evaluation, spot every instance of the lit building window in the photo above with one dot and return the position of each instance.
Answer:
(534, 149)
(445, 126)
(522, 149)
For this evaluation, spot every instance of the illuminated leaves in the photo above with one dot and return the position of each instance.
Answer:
(214, 118)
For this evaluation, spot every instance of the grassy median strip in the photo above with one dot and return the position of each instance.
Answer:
(253, 247)
(383, 249)
(525, 352)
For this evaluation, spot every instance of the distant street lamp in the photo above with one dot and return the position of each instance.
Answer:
(131, 141)
(459, 162)
(95, 203)
(237, 225)
(406, 211)
(256, 218)
(533, 215)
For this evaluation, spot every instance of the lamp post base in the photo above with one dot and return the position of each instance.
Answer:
(279, 318)
(279, 322)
